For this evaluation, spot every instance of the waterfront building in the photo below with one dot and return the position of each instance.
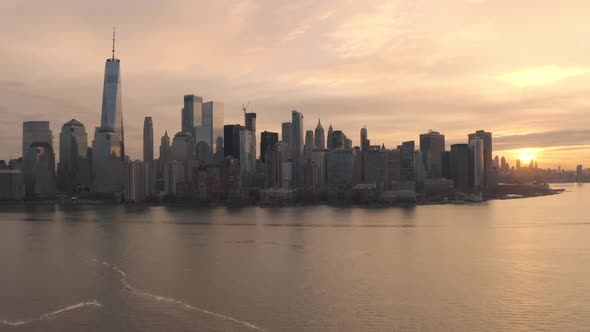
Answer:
(297, 148)
(392, 167)
(73, 167)
(432, 144)
(267, 139)
(319, 157)
(320, 137)
(286, 133)
(339, 167)
(107, 165)
(408, 162)
(12, 185)
(112, 102)
(137, 183)
(273, 165)
(374, 161)
(476, 147)
(311, 176)
(175, 177)
(460, 166)
(421, 171)
(36, 132)
(486, 137)
(39, 170)
(286, 174)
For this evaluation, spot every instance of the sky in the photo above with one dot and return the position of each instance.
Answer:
(519, 69)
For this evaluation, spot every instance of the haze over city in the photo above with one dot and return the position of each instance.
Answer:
(519, 70)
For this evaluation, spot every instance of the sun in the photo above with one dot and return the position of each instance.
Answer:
(526, 155)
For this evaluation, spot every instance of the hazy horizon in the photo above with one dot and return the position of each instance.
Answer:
(400, 68)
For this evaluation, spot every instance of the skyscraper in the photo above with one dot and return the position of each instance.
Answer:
(231, 140)
(309, 144)
(320, 137)
(36, 131)
(460, 165)
(112, 104)
(408, 162)
(211, 129)
(250, 121)
(476, 147)
(267, 139)
(286, 134)
(73, 148)
(329, 137)
(486, 137)
(297, 148)
(432, 144)
(192, 113)
(148, 140)
(165, 156)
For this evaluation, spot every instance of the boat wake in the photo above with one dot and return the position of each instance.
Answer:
(124, 280)
(92, 303)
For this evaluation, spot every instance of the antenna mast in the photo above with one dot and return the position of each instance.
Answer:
(113, 44)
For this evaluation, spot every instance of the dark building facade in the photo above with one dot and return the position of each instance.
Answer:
(267, 139)
(231, 140)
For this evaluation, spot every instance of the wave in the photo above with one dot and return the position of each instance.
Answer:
(124, 280)
(93, 303)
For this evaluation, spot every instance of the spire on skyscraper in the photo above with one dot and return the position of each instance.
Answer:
(113, 43)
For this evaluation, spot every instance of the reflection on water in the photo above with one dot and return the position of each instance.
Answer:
(501, 265)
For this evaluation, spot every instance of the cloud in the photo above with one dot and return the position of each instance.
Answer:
(541, 76)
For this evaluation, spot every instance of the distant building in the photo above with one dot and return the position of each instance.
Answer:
(247, 152)
(286, 134)
(39, 170)
(175, 177)
(192, 114)
(267, 139)
(136, 174)
(250, 121)
(320, 137)
(393, 168)
(231, 140)
(165, 157)
(476, 147)
(375, 164)
(329, 137)
(309, 144)
(211, 129)
(432, 144)
(407, 161)
(297, 148)
(486, 137)
(460, 165)
(338, 140)
(183, 147)
(579, 173)
(36, 132)
(107, 165)
(12, 186)
(148, 139)
(273, 165)
(340, 168)
(319, 157)
(73, 166)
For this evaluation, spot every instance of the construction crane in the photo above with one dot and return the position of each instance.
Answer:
(244, 108)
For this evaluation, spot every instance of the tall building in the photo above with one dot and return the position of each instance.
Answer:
(247, 152)
(579, 173)
(408, 162)
(267, 139)
(319, 157)
(36, 132)
(163, 159)
(339, 167)
(73, 148)
(320, 137)
(273, 165)
(486, 137)
(183, 147)
(250, 121)
(329, 137)
(137, 187)
(211, 129)
(39, 170)
(107, 166)
(148, 140)
(460, 165)
(309, 144)
(108, 146)
(231, 140)
(297, 148)
(112, 103)
(192, 113)
(364, 139)
(432, 144)
(393, 160)
(338, 140)
(286, 133)
(476, 147)
(374, 164)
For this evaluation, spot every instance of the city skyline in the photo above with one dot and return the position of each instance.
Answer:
(396, 99)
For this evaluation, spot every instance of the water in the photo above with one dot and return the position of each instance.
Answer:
(502, 265)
